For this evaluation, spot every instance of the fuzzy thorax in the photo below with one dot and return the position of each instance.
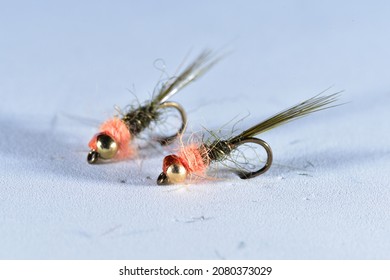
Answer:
(118, 131)
(193, 157)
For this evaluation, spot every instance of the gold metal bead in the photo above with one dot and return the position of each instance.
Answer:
(106, 146)
(176, 173)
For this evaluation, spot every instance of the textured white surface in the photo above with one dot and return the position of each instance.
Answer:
(64, 66)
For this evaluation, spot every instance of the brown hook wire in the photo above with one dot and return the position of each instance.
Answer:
(247, 174)
(169, 139)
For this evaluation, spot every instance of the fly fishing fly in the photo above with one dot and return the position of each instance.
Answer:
(195, 158)
(114, 136)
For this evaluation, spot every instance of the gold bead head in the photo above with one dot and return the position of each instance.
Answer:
(176, 173)
(106, 147)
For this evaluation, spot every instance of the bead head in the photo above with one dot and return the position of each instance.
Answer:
(106, 147)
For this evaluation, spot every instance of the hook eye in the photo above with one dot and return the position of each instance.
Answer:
(166, 140)
(246, 174)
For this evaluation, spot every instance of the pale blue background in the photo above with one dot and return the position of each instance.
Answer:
(64, 65)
